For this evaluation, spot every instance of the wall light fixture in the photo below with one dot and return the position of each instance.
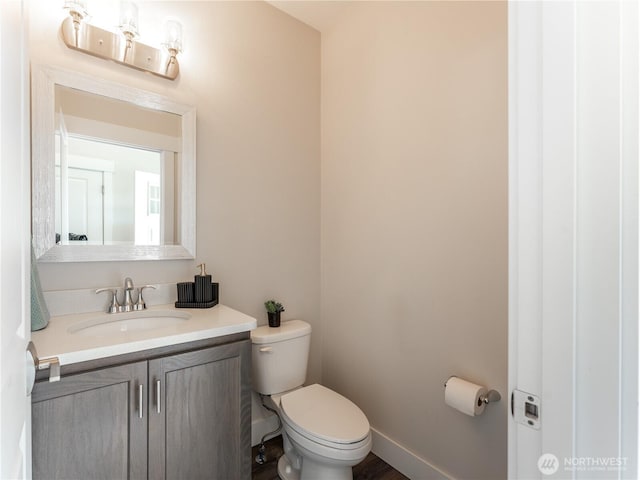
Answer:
(122, 46)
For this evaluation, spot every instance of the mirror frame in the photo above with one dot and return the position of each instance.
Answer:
(43, 82)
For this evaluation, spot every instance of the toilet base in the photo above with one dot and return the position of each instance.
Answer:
(286, 471)
(312, 471)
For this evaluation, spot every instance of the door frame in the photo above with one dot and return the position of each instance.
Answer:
(15, 214)
(573, 292)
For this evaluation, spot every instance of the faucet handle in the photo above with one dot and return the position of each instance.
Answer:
(115, 306)
(140, 305)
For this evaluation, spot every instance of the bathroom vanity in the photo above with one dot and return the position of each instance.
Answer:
(157, 393)
(166, 402)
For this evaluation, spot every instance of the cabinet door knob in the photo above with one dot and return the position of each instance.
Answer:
(158, 409)
(140, 400)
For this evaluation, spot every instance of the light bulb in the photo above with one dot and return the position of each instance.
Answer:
(128, 18)
(76, 8)
(173, 35)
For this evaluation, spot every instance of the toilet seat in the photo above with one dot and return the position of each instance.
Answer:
(325, 417)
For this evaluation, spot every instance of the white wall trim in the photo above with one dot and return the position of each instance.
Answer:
(525, 224)
(15, 332)
(399, 457)
(404, 460)
(262, 421)
(261, 426)
(573, 301)
(629, 152)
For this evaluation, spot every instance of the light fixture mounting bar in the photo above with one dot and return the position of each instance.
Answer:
(98, 42)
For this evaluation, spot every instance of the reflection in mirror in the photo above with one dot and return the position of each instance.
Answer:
(113, 171)
(109, 192)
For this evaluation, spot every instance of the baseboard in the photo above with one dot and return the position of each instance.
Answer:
(262, 422)
(399, 457)
(260, 427)
(404, 460)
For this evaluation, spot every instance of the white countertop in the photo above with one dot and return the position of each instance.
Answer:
(57, 339)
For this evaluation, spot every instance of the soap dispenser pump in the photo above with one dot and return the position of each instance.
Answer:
(203, 286)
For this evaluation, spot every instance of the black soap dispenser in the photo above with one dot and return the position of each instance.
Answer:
(203, 286)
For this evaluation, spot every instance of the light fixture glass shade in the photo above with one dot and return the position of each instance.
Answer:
(76, 6)
(173, 35)
(128, 18)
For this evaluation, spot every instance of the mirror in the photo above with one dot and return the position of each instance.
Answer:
(113, 171)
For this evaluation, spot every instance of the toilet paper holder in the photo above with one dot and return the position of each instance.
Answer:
(489, 397)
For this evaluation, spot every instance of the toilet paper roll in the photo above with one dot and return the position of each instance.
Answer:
(464, 396)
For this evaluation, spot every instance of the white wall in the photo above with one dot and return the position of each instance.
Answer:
(414, 222)
(254, 75)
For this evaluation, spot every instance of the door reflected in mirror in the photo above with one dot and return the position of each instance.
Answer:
(110, 194)
(114, 171)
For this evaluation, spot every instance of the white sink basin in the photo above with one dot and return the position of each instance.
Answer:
(113, 323)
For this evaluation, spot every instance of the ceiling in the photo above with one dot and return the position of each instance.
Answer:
(319, 14)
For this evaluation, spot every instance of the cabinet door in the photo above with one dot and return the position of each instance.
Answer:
(88, 426)
(201, 428)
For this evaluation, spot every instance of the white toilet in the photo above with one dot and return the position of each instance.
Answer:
(324, 434)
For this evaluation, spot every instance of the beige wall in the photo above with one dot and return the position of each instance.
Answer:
(414, 222)
(414, 197)
(254, 75)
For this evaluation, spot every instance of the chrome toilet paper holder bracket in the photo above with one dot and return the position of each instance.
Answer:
(490, 397)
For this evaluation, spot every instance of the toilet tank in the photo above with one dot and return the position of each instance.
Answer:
(279, 356)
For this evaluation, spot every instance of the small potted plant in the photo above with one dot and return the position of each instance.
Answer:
(273, 312)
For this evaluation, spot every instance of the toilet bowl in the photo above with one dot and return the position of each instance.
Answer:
(324, 433)
(328, 435)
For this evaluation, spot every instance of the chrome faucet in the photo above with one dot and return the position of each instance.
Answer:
(115, 306)
(140, 304)
(128, 304)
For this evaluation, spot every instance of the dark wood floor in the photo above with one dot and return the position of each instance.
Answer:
(371, 468)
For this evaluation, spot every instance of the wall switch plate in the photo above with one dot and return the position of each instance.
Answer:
(525, 408)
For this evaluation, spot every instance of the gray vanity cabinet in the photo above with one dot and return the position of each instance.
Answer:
(201, 415)
(196, 418)
(88, 425)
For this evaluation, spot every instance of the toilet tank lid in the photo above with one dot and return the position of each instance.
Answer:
(286, 331)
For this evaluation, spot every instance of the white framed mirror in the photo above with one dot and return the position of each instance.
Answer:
(113, 171)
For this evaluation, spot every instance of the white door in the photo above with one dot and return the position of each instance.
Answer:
(573, 228)
(85, 192)
(147, 203)
(15, 437)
